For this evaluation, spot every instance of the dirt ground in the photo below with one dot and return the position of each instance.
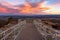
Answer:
(29, 33)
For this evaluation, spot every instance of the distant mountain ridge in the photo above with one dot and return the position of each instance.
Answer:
(28, 16)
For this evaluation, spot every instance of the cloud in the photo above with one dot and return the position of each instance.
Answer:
(4, 10)
(54, 9)
(44, 7)
(7, 4)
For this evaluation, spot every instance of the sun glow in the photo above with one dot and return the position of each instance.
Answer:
(53, 10)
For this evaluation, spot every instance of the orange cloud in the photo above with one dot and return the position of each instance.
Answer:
(34, 10)
(27, 9)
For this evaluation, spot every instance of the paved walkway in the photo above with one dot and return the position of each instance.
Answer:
(29, 33)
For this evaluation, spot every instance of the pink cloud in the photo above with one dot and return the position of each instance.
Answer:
(7, 4)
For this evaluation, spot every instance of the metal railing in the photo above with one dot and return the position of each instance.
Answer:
(46, 31)
(13, 32)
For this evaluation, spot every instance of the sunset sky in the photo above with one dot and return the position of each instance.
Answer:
(42, 6)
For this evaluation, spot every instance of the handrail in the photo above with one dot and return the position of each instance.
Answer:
(57, 31)
(11, 28)
(14, 28)
(43, 29)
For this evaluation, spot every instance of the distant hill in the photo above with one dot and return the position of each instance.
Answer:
(30, 16)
